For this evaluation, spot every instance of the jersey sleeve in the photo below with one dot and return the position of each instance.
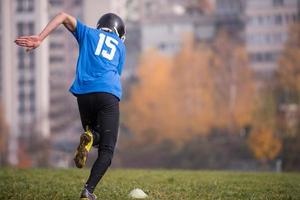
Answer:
(122, 61)
(80, 31)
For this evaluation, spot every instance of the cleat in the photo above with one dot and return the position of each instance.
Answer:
(86, 195)
(86, 141)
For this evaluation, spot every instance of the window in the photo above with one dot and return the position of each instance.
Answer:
(21, 56)
(149, 8)
(162, 46)
(30, 5)
(77, 2)
(287, 18)
(259, 57)
(268, 38)
(278, 2)
(20, 28)
(56, 59)
(55, 45)
(19, 5)
(32, 101)
(56, 2)
(25, 5)
(278, 19)
(32, 108)
(25, 28)
(260, 19)
(31, 83)
(21, 107)
(295, 17)
(22, 101)
(21, 80)
(30, 28)
(264, 57)
(31, 60)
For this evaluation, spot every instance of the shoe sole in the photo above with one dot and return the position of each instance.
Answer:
(82, 152)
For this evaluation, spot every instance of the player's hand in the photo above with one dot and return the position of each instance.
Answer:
(29, 42)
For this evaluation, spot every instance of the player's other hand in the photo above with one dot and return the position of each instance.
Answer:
(29, 42)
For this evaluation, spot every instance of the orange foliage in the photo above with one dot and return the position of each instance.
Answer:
(264, 144)
(151, 107)
(197, 90)
(194, 89)
(234, 88)
(288, 73)
(289, 68)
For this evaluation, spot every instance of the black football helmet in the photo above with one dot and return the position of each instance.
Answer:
(112, 23)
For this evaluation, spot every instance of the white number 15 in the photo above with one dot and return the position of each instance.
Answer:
(110, 42)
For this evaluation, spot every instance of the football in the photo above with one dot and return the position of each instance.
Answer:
(137, 194)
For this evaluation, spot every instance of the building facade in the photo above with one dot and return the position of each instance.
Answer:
(163, 26)
(266, 31)
(34, 86)
(94, 9)
(1, 60)
(62, 63)
(24, 83)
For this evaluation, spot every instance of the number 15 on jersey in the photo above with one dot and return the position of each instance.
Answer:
(109, 42)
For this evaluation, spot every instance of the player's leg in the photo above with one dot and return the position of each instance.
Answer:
(88, 117)
(108, 119)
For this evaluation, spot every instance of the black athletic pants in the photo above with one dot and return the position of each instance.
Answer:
(100, 112)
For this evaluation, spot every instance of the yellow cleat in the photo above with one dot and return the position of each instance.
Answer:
(86, 142)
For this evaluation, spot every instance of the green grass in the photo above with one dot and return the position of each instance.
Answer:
(49, 184)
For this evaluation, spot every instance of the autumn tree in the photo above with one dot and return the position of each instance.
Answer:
(200, 88)
(264, 141)
(288, 74)
(3, 139)
(288, 67)
(150, 111)
(276, 124)
(288, 98)
(264, 144)
(233, 84)
(194, 90)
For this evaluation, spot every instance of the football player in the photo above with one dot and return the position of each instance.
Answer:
(97, 86)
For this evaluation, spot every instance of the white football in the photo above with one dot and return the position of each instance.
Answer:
(137, 194)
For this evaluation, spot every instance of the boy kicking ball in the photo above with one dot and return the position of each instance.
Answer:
(97, 86)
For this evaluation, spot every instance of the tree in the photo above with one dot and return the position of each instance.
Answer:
(288, 87)
(234, 85)
(288, 99)
(194, 90)
(264, 144)
(197, 90)
(150, 109)
(3, 138)
(288, 67)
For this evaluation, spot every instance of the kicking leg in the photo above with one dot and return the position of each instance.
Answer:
(87, 117)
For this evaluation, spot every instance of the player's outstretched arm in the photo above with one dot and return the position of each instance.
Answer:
(33, 41)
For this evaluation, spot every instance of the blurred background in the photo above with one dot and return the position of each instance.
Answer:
(208, 84)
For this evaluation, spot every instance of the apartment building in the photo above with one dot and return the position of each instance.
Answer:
(24, 83)
(266, 31)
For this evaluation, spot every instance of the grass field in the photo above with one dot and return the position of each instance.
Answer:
(40, 184)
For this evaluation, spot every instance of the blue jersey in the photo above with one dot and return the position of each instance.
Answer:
(100, 61)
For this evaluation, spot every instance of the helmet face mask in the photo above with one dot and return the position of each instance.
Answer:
(112, 23)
